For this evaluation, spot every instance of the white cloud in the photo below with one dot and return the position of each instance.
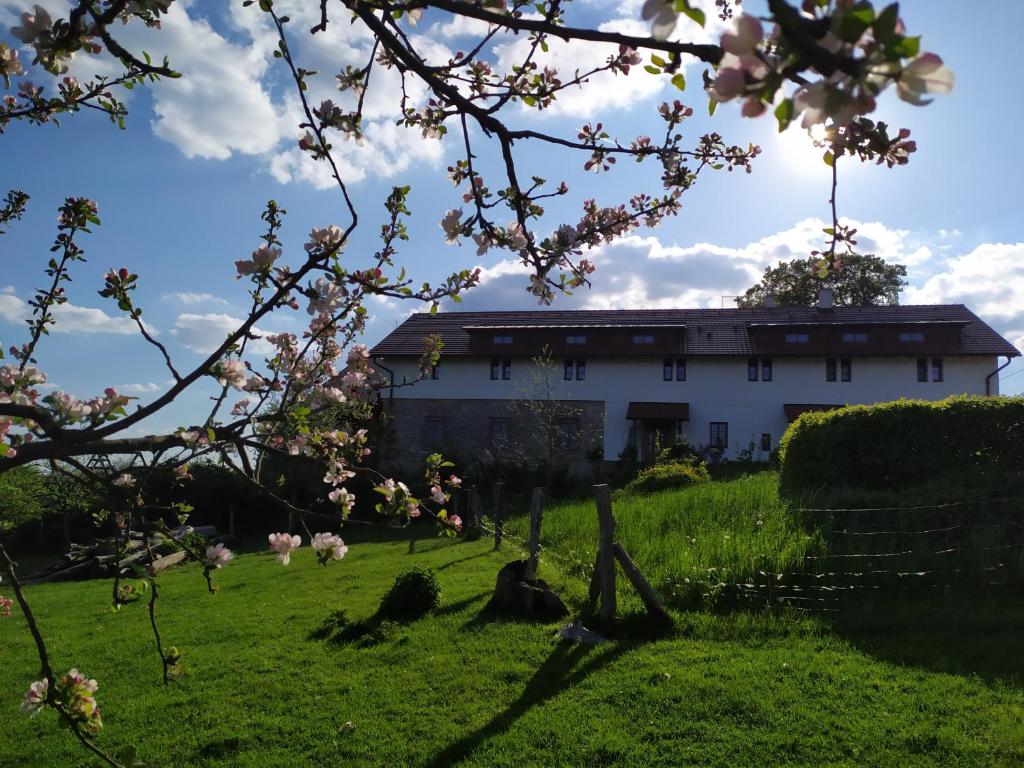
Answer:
(71, 318)
(203, 333)
(989, 280)
(146, 388)
(190, 298)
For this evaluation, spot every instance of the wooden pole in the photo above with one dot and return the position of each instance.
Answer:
(536, 511)
(498, 529)
(231, 518)
(498, 486)
(595, 582)
(474, 508)
(648, 595)
(606, 555)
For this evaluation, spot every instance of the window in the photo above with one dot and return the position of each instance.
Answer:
(666, 370)
(766, 370)
(936, 369)
(502, 339)
(575, 339)
(719, 434)
(911, 336)
(797, 338)
(680, 370)
(567, 370)
(501, 369)
(856, 338)
(433, 372)
(569, 434)
(766, 441)
(581, 370)
(434, 432)
(574, 369)
(830, 369)
(643, 339)
(845, 369)
(499, 433)
(922, 369)
(752, 369)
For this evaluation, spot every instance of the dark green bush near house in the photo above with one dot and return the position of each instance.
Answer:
(961, 444)
(662, 477)
(415, 593)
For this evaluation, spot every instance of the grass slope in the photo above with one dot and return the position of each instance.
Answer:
(459, 688)
(720, 531)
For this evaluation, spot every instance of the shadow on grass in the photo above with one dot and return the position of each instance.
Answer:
(959, 637)
(450, 563)
(559, 672)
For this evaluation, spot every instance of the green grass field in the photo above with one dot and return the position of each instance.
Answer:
(462, 688)
(721, 531)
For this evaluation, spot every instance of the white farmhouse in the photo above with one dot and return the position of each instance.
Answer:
(730, 379)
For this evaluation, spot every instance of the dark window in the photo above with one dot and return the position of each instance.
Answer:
(719, 434)
(499, 433)
(644, 339)
(766, 370)
(797, 338)
(495, 369)
(922, 369)
(506, 369)
(569, 434)
(936, 369)
(502, 339)
(433, 372)
(575, 339)
(752, 369)
(666, 370)
(766, 441)
(434, 433)
(830, 369)
(912, 336)
(581, 370)
(680, 370)
(857, 338)
(845, 369)
(567, 370)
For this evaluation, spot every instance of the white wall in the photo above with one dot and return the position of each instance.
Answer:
(716, 389)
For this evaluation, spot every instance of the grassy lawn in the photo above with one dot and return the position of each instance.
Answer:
(459, 687)
(720, 531)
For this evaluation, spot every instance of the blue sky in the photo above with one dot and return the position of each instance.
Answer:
(181, 190)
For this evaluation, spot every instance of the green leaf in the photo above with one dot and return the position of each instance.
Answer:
(907, 48)
(856, 22)
(784, 113)
(829, 159)
(652, 69)
(695, 14)
(712, 106)
(679, 81)
(884, 27)
(655, 59)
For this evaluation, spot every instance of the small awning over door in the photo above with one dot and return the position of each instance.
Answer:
(793, 410)
(659, 411)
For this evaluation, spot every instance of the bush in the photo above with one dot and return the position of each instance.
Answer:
(679, 451)
(415, 593)
(961, 443)
(675, 475)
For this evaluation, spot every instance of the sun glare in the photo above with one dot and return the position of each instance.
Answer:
(798, 153)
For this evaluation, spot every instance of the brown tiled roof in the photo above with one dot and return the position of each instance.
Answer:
(708, 331)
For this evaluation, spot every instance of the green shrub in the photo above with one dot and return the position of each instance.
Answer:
(415, 593)
(961, 443)
(680, 450)
(665, 476)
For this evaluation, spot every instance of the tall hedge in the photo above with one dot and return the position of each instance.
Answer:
(965, 442)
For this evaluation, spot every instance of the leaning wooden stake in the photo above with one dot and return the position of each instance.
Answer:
(536, 511)
(605, 552)
(474, 509)
(648, 595)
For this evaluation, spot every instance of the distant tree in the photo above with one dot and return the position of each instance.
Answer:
(862, 280)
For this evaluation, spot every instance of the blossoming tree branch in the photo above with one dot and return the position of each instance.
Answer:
(819, 65)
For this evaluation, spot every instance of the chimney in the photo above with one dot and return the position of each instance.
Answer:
(824, 298)
(770, 301)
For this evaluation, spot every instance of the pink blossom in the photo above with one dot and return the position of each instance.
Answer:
(284, 544)
(748, 35)
(35, 697)
(925, 74)
(218, 556)
(124, 480)
(5, 606)
(358, 354)
(329, 546)
(437, 494)
(241, 407)
(343, 498)
(35, 24)
(412, 508)
(231, 373)
(324, 237)
(662, 15)
(307, 141)
(455, 521)
(454, 481)
(452, 225)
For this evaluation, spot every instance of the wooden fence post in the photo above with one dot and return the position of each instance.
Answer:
(498, 529)
(605, 553)
(498, 486)
(474, 509)
(536, 511)
(648, 595)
